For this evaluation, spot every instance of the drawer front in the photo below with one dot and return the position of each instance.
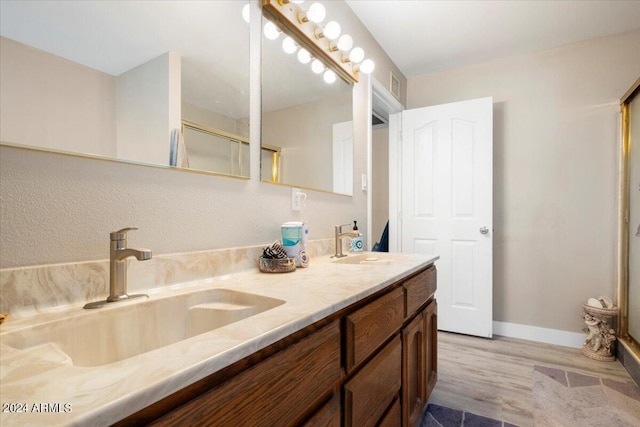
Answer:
(278, 391)
(369, 393)
(327, 416)
(393, 418)
(420, 288)
(368, 328)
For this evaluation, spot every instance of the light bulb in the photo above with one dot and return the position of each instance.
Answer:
(345, 42)
(317, 66)
(246, 12)
(329, 76)
(316, 13)
(356, 55)
(271, 31)
(332, 30)
(304, 56)
(288, 45)
(367, 66)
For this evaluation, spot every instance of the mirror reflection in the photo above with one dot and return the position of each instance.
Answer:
(117, 79)
(306, 119)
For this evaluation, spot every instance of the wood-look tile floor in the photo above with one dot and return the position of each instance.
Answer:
(493, 377)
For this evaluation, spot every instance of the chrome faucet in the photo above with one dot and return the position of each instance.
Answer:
(338, 239)
(118, 268)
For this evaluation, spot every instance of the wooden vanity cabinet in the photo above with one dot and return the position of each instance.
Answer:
(277, 391)
(419, 346)
(370, 364)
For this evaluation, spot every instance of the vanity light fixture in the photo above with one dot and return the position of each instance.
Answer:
(315, 14)
(271, 31)
(325, 44)
(317, 66)
(367, 66)
(356, 55)
(304, 56)
(289, 45)
(332, 30)
(246, 12)
(329, 76)
(345, 42)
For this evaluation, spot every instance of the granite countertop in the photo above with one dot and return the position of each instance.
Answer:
(95, 396)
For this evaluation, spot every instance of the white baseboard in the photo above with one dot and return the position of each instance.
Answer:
(535, 333)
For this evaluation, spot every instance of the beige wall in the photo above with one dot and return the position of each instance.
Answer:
(48, 101)
(555, 142)
(380, 181)
(305, 135)
(148, 104)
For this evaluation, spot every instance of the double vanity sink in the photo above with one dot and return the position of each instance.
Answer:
(117, 360)
(124, 330)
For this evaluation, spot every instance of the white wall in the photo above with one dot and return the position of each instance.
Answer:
(50, 102)
(555, 141)
(148, 101)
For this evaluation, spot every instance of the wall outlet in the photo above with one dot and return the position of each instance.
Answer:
(296, 199)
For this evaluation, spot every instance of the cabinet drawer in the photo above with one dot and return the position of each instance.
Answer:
(369, 393)
(327, 416)
(369, 327)
(419, 288)
(393, 418)
(278, 391)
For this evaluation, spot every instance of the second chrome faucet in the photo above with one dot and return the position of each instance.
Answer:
(338, 239)
(118, 254)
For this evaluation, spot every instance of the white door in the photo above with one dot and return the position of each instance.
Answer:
(446, 208)
(343, 157)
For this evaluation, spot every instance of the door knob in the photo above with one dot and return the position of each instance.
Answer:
(484, 230)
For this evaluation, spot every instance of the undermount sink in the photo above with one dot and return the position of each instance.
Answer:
(378, 258)
(116, 333)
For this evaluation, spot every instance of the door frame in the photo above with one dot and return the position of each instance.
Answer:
(382, 101)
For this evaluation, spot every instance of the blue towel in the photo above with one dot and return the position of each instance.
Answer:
(383, 244)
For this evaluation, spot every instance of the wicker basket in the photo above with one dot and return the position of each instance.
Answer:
(284, 265)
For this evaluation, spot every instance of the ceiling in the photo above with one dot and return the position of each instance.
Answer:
(424, 36)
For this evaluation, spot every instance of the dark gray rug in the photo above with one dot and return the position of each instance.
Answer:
(441, 416)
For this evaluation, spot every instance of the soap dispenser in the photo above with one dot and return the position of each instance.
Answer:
(357, 243)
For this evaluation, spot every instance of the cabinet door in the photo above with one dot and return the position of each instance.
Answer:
(414, 363)
(430, 315)
(393, 417)
(370, 392)
(327, 416)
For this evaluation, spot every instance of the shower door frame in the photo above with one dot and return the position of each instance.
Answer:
(632, 344)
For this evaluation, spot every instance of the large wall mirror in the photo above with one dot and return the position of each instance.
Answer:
(118, 79)
(307, 122)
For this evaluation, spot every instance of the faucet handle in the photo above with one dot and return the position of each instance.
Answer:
(121, 234)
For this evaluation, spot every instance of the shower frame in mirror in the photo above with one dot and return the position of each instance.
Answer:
(631, 343)
(219, 135)
(274, 154)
